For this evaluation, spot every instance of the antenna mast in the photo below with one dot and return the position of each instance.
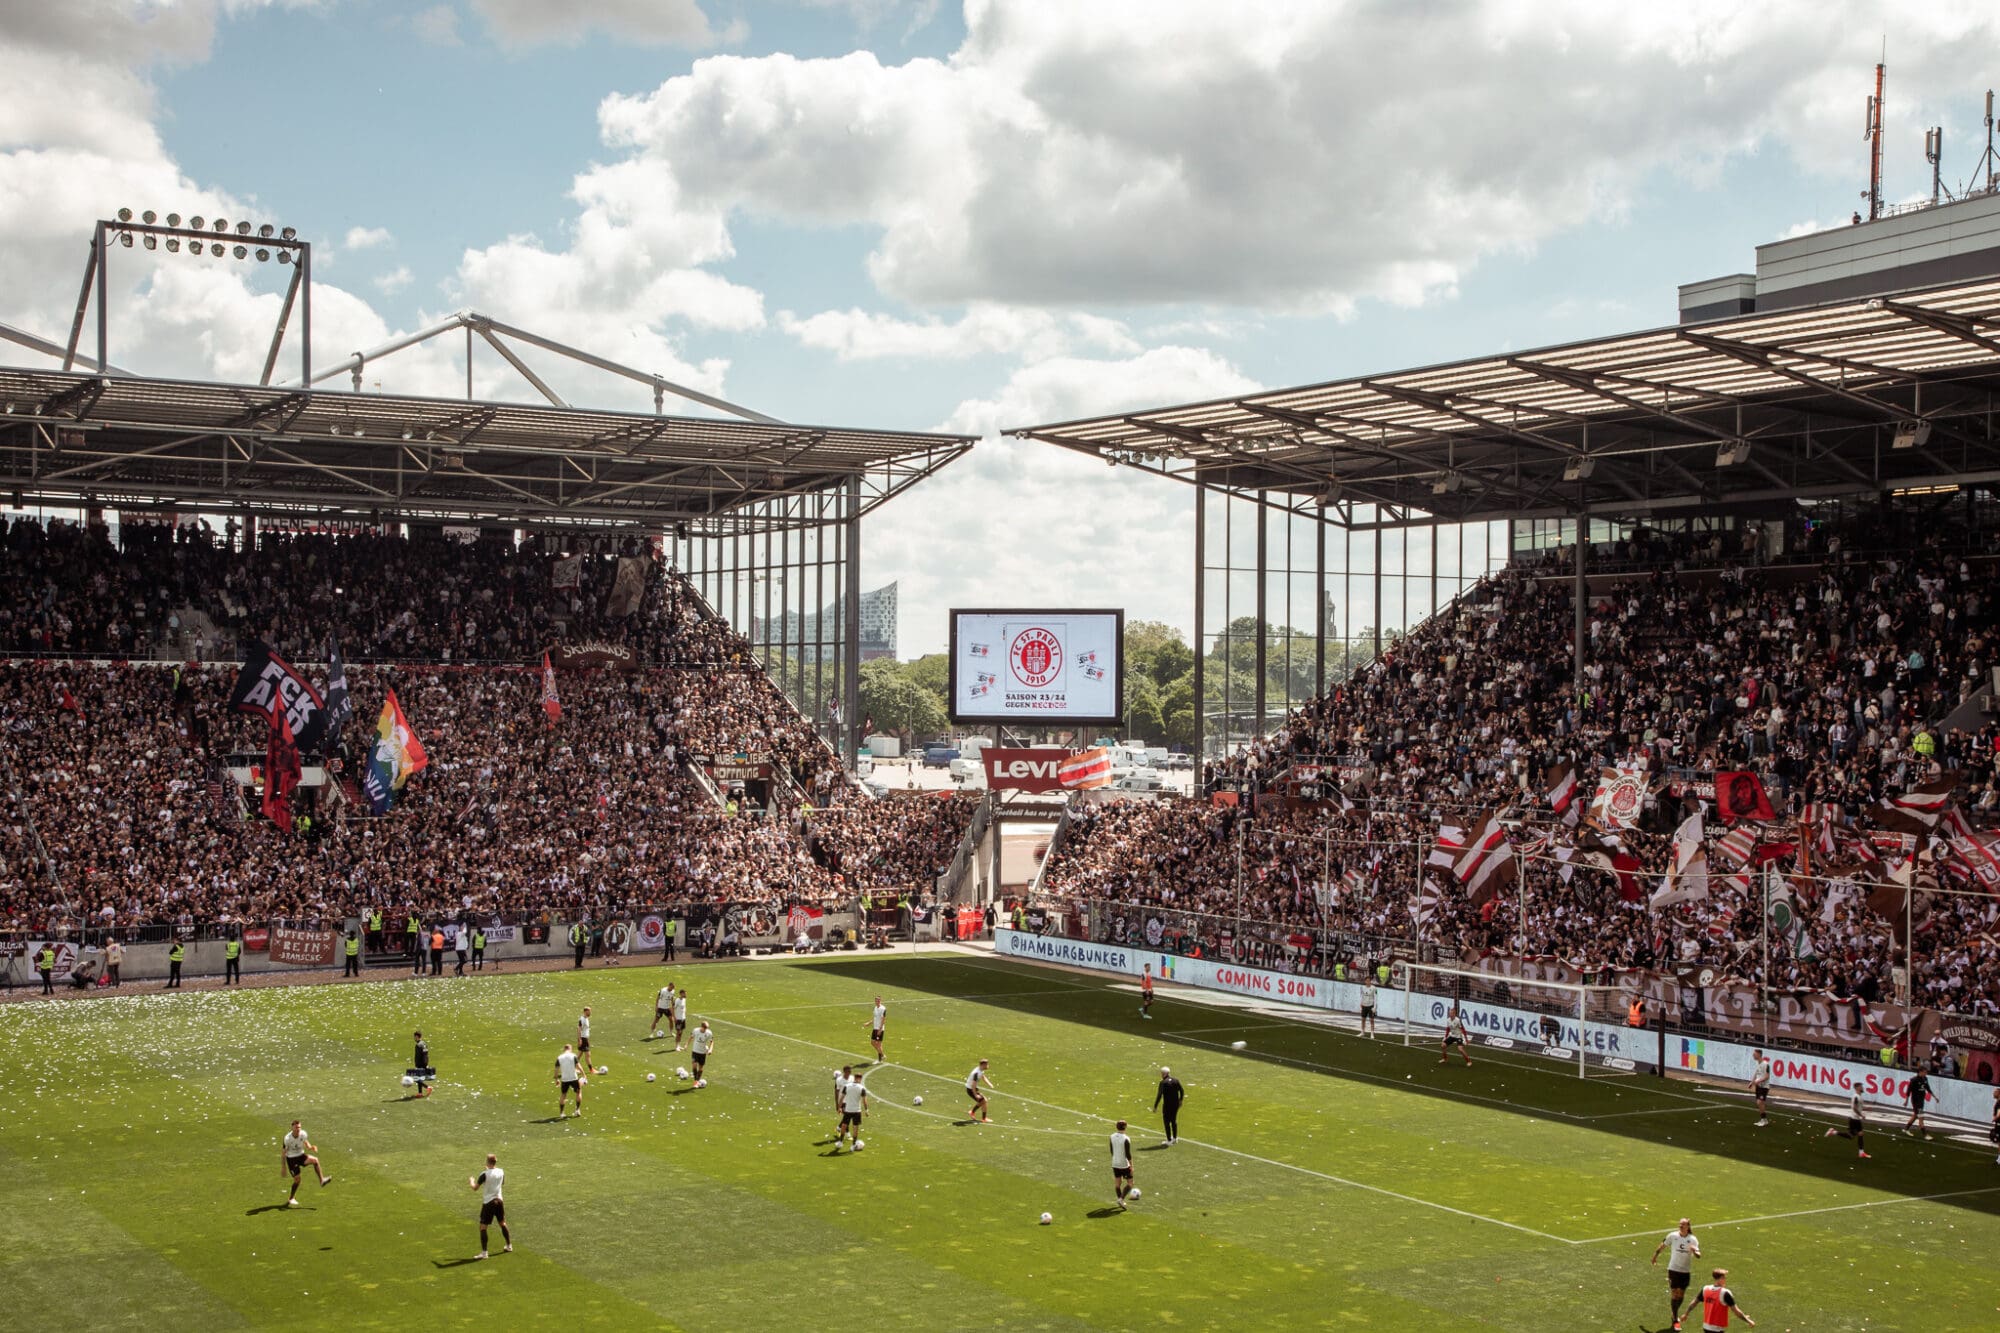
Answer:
(1988, 159)
(1873, 133)
(1934, 154)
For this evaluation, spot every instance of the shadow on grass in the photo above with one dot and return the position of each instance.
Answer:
(1109, 1210)
(1642, 1107)
(549, 1120)
(272, 1208)
(453, 1263)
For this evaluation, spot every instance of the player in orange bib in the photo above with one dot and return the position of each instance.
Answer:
(1716, 1303)
(1146, 993)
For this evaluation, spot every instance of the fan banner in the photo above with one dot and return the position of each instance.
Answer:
(1741, 796)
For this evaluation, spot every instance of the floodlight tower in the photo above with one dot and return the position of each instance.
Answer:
(200, 236)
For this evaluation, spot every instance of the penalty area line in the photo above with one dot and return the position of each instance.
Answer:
(1803, 1212)
(1197, 1143)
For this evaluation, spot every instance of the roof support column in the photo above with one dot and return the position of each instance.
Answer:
(1200, 605)
(1579, 590)
(1263, 622)
(850, 705)
(1319, 604)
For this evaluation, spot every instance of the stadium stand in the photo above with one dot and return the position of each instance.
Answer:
(1830, 681)
(120, 815)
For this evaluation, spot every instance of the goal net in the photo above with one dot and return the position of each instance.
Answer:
(1583, 1026)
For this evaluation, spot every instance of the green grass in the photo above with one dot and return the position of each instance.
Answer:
(1323, 1182)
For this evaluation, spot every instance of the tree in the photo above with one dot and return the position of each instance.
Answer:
(1143, 719)
(898, 704)
(1157, 651)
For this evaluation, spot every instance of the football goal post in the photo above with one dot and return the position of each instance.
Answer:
(1558, 1020)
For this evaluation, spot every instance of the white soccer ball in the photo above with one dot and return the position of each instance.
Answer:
(582, 1081)
(604, 1069)
(916, 1101)
(1132, 1193)
(859, 1145)
(650, 1077)
(1048, 1218)
(701, 1083)
(681, 1074)
(408, 1081)
(1238, 1045)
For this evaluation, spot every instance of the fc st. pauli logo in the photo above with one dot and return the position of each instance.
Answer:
(1036, 657)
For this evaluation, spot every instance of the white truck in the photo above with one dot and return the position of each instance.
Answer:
(968, 770)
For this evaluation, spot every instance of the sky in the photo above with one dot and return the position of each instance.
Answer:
(971, 217)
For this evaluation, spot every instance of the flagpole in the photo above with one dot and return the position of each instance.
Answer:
(1764, 930)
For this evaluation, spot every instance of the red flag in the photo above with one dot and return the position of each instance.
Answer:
(281, 776)
(1741, 796)
(1626, 867)
(550, 704)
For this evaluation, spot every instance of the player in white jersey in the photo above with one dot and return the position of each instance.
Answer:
(976, 1084)
(1367, 1008)
(1454, 1035)
(569, 1077)
(1760, 1085)
(1857, 1122)
(840, 1078)
(853, 1101)
(1121, 1163)
(701, 1043)
(492, 1206)
(1682, 1250)
(663, 1007)
(298, 1154)
(875, 1032)
(680, 1015)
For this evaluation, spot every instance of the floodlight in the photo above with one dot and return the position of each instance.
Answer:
(173, 245)
(196, 222)
(124, 215)
(265, 231)
(173, 219)
(152, 242)
(284, 256)
(242, 229)
(125, 239)
(263, 255)
(194, 247)
(240, 252)
(287, 234)
(149, 217)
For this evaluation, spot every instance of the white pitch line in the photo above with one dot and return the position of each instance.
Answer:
(863, 1004)
(1212, 1147)
(1803, 1212)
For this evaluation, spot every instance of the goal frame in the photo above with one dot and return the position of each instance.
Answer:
(1453, 980)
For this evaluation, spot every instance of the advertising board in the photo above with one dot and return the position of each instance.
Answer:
(1038, 668)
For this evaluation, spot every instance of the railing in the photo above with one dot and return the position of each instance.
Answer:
(1055, 842)
(952, 881)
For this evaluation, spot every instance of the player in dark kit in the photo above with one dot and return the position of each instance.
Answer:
(1167, 1101)
(1920, 1092)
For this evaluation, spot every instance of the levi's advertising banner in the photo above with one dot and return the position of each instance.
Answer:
(1023, 770)
(1037, 667)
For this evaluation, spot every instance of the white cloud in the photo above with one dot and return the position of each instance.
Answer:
(1018, 523)
(984, 330)
(393, 281)
(1267, 154)
(650, 22)
(366, 238)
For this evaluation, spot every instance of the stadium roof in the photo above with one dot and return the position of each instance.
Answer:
(117, 439)
(1855, 397)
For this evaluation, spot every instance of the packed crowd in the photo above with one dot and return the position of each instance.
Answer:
(122, 768)
(1829, 682)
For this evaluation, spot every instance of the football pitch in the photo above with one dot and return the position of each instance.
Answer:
(1322, 1181)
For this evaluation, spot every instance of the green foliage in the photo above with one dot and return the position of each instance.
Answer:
(900, 705)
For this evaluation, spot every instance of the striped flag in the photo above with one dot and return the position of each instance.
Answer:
(1687, 881)
(1738, 844)
(1428, 899)
(1925, 801)
(1562, 788)
(1450, 842)
(1086, 768)
(1486, 865)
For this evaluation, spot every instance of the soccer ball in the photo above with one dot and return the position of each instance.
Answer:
(701, 1083)
(681, 1073)
(604, 1069)
(1132, 1193)
(1238, 1045)
(582, 1081)
(916, 1101)
(649, 1078)
(1048, 1218)
(408, 1081)
(859, 1145)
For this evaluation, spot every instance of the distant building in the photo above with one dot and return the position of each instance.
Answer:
(805, 643)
